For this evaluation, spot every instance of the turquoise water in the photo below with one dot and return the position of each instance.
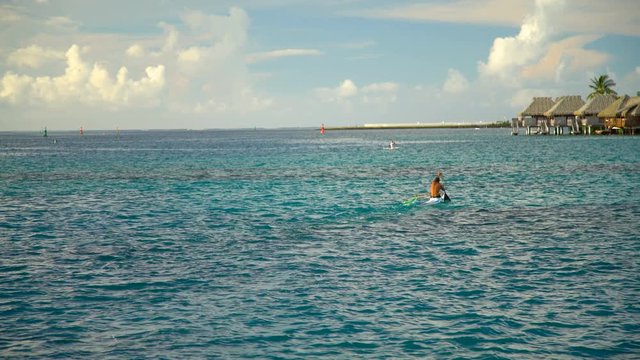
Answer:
(288, 244)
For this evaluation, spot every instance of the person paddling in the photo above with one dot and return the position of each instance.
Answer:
(437, 193)
(437, 189)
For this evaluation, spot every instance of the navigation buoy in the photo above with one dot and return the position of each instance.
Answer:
(322, 129)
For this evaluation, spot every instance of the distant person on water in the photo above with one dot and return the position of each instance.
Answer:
(437, 188)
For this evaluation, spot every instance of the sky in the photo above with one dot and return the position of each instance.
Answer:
(66, 64)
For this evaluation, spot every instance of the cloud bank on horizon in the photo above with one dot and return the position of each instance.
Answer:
(341, 64)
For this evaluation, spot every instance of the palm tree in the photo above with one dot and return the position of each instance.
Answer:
(602, 85)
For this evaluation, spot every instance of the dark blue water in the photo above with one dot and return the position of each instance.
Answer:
(289, 244)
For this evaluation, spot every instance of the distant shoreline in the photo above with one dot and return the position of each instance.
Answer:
(417, 126)
(328, 128)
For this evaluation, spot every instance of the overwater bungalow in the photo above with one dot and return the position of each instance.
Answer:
(533, 115)
(561, 114)
(587, 115)
(622, 115)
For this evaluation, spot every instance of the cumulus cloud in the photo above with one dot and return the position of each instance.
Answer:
(33, 56)
(220, 28)
(196, 67)
(455, 83)
(220, 41)
(538, 56)
(276, 54)
(509, 54)
(210, 73)
(171, 37)
(383, 92)
(191, 55)
(82, 84)
(135, 51)
(345, 90)
(566, 56)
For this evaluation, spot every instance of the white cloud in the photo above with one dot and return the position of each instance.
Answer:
(522, 97)
(210, 73)
(509, 54)
(276, 54)
(601, 17)
(565, 56)
(502, 12)
(220, 42)
(13, 86)
(630, 83)
(584, 16)
(33, 56)
(80, 84)
(456, 82)
(345, 90)
(358, 44)
(380, 93)
(538, 61)
(62, 22)
(10, 13)
(219, 28)
(135, 51)
(191, 55)
(124, 90)
(380, 87)
(202, 71)
(171, 37)
(375, 93)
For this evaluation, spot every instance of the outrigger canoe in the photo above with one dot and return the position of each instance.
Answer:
(424, 200)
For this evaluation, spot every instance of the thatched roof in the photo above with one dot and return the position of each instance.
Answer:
(634, 112)
(612, 110)
(565, 106)
(537, 107)
(631, 107)
(596, 104)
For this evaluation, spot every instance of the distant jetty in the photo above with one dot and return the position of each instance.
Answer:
(420, 126)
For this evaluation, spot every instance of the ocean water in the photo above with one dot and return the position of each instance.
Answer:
(286, 244)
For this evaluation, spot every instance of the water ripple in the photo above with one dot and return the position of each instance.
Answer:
(286, 245)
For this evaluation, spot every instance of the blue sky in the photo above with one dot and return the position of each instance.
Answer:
(296, 63)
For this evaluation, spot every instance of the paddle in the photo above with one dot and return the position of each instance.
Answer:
(412, 200)
(446, 197)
